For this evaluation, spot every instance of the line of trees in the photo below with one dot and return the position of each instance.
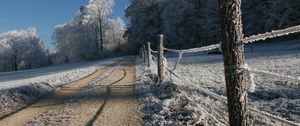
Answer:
(194, 23)
(22, 49)
(92, 34)
(181, 21)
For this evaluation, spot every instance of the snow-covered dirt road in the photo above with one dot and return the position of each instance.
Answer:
(107, 97)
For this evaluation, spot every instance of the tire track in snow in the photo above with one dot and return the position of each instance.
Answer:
(57, 91)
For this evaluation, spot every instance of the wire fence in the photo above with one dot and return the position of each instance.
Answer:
(247, 70)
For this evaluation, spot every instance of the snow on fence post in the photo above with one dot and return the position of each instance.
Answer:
(160, 64)
(233, 54)
(149, 54)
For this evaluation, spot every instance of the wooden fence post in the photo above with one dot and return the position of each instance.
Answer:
(160, 64)
(149, 54)
(233, 54)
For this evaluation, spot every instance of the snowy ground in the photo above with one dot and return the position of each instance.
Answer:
(53, 75)
(161, 104)
(202, 74)
(17, 75)
(19, 89)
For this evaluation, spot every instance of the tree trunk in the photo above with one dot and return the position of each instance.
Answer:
(15, 66)
(30, 58)
(119, 44)
(95, 33)
(16, 60)
(149, 54)
(97, 40)
(160, 65)
(144, 52)
(233, 54)
(101, 30)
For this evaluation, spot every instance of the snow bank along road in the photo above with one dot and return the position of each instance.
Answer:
(24, 74)
(107, 97)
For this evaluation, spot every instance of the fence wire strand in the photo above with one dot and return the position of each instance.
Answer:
(153, 51)
(193, 50)
(272, 34)
(224, 99)
(249, 72)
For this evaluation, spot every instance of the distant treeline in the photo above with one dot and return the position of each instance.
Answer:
(194, 23)
(92, 34)
(22, 49)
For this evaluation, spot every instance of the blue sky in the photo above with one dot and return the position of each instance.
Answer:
(44, 14)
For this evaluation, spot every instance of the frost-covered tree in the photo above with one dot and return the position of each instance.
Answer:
(182, 22)
(145, 21)
(22, 49)
(188, 23)
(90, 35)
(191, 23)
(263, 16)
(115, 34)
(95, 14)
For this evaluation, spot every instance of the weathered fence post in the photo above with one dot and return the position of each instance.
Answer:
(233, 54)
(160, 64)
(149, 54)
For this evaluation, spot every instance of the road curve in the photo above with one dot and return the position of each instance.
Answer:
(105, 98)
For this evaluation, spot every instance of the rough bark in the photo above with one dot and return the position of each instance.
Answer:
(233, 54)
(160, 65)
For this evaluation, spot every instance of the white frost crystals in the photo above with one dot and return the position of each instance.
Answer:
(272, 34)
(22, 49)
(52, 79)
(91, 34)
(193, 50)
(53, 75)
(96, 8)
(272, 79)
(251, 86)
